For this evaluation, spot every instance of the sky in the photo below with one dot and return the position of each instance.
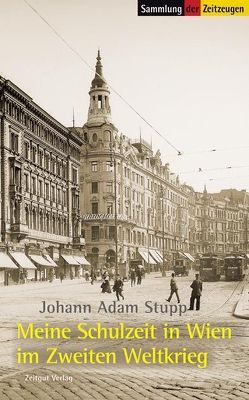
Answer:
(187, 76)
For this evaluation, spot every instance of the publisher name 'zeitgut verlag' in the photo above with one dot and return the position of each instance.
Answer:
(112, 308)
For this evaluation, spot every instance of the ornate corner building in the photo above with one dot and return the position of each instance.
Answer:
(132, 206)
(39, 183)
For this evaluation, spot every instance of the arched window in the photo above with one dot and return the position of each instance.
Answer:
(107, 136)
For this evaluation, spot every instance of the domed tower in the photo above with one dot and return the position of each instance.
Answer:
(98, 181)
(99, 108)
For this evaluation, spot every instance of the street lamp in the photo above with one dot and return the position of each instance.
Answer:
(148, 242)
(113, 163)
(163, 268)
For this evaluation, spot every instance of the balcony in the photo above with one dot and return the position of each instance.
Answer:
(15, 190)
(79, 240)
(19, 230)
(104, 217)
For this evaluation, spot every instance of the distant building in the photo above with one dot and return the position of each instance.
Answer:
(39, 183)
(222, 222)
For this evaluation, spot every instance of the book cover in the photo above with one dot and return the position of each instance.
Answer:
(124, 199)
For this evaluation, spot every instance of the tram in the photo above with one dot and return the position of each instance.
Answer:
(181, 267)
(210, 267)
(235, 266)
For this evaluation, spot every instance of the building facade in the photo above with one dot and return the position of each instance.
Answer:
(126, 192)
(39, 181)
(222, 222)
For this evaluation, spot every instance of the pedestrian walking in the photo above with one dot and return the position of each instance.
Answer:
(173, 288)
(196, 286)
(118, 287)
(139, 275)
(93, 276)
(87, 275)
(105, 286)
(61, 276)
(71, 275)
(133, 277)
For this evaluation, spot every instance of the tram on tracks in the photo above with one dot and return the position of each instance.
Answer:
(181, 267)
(235, 266)
(211, 267)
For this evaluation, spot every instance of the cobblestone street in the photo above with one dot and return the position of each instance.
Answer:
(226, 376)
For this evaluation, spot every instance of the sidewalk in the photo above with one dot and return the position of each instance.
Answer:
(242, 307)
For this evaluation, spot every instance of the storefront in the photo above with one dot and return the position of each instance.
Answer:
(69, 265)
(26, 268)
(9, 271)
(44, 267)
(146, 259)
(84, 265)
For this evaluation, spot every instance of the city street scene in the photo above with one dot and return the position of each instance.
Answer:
(124, 214)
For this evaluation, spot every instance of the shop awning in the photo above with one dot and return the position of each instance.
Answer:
(156, 257)
(22, 260)
(81, 260)
(50, 260)
(160, 255)
(70, 259)
(146, 256)
(6, 262)
(191, 258)
(186, 255)
(40, 260)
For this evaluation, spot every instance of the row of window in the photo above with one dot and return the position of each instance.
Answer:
(219, 226)
(137, 215)
(146, 163)
(108, 233)
(109, 208)
(45, 189)
(109, 187)
(220, 214)
(43, 159)
(220, 237)
(40, 130)
(45, 222)
(109, 166)
(132, 237)
(136, 196)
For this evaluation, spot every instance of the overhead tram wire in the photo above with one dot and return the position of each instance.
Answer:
(218, 178)
(187, 153)
(199, 170)
(179, 153)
